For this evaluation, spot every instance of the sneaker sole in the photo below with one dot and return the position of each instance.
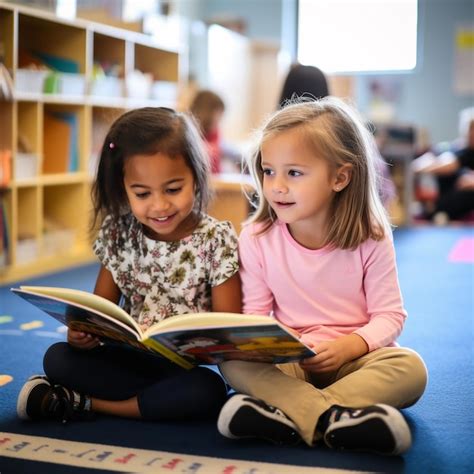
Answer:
(227, 413)
(25, 391)
(239, 403)
(397, 427)
(39, 377)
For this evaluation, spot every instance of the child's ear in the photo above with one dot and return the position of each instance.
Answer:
(342, 178)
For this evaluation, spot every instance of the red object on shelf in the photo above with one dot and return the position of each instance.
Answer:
(5, 168)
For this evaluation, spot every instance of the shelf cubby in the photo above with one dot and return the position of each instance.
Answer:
(64, 139)
(7, 37)
(7, 114)
(47, 206)
(7, 247)
(163, 65)
(60, 40)
(65, 217)
(28, 232)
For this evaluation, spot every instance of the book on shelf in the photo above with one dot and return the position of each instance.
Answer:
(5, 168)
(4, 241)
(61, 153)
(73, 155)
(188, 339)
(57, 144)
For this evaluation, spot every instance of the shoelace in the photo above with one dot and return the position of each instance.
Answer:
(278, 412)
(63, 405)
(344, 414)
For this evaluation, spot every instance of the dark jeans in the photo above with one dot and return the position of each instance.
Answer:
(456, 203)
(164, 390)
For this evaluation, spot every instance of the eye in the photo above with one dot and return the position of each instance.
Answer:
(295, 173)
(267, 172)
(142, 195)
(173, 190)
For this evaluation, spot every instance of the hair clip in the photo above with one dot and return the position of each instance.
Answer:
(111, 145)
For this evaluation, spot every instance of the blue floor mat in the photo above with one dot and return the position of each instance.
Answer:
(438, 297)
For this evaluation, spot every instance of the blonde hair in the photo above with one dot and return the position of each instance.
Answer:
(334, 131)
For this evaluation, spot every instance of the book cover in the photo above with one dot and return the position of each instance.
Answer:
(188, 340)
(73, 155)
(56, 144)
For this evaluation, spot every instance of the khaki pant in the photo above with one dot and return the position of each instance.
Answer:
(392, 375)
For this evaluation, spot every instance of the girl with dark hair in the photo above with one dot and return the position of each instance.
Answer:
(161, 255)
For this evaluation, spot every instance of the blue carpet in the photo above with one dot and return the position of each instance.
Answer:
(439, 300)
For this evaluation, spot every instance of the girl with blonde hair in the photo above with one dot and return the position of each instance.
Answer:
(318, 255)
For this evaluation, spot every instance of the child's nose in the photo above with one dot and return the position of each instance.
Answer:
(160, 204)
(279, 185)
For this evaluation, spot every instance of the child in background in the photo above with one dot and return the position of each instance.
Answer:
(162, 255)
(454, 173)
(208, 109)
(318, 254)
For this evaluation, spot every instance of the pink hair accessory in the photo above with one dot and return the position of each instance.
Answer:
(111, 145)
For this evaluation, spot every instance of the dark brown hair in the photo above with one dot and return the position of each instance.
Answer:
(147, 131)
(203, 107)
(304, 81)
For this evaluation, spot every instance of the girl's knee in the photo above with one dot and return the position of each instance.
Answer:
(412, 360)
(238, 372)
(209, 388)
(230, 368)
(415, 375)
(417, 369)
(55, 361)
(208, 381)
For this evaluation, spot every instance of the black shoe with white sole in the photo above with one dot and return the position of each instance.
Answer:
(39, 399)
(379, 428)
(243, 416)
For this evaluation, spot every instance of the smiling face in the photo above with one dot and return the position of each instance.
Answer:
(160, 191)
(298, 185)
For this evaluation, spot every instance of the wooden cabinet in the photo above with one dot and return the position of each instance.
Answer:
(54, 127)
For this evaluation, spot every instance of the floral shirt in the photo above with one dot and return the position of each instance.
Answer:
(159, 279)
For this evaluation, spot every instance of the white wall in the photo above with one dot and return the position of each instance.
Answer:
(427, 98)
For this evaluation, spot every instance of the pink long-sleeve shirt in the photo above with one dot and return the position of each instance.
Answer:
(323, 293)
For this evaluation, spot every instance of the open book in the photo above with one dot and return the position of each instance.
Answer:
(188, 339)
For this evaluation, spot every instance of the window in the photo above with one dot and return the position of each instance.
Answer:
(358, 35)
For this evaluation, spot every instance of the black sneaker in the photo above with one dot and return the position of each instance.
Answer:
(40, 377)
(243, 416)
(38, 399)
(379, 428)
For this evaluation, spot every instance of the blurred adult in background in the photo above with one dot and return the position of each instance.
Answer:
(311, 83)
(307, 81)
(454, 173)
(208, 109)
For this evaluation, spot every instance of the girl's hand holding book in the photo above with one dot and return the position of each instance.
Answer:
(82, 340)
(331, 355)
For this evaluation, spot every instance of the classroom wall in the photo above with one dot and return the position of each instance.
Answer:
(426, 96)
(262, 17)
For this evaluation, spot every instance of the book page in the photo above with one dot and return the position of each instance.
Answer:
(87, 299)
(207, 320)
(267, 343)
(79, 317)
